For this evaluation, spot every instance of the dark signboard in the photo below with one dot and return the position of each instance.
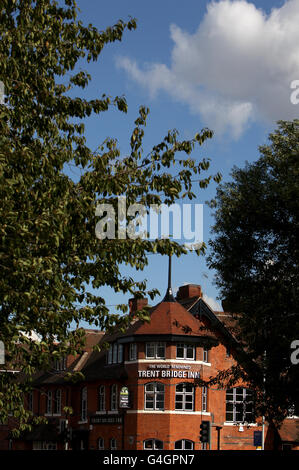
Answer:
(106, 419)
(257, 438)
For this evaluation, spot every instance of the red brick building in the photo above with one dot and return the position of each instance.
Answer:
(143, 392)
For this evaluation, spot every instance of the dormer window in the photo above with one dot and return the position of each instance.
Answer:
(133, 352)
(60, 364)
(115, 354)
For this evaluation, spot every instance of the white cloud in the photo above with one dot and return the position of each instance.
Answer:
(237, 67)
(212, 303)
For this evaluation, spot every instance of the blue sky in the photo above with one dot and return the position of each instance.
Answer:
(226, 65)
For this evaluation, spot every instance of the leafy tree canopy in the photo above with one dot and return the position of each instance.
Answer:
(49, 252)
(255, 254)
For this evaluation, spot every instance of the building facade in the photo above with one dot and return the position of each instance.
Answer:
(146, 390)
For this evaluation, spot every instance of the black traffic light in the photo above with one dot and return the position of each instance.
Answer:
(205, 431)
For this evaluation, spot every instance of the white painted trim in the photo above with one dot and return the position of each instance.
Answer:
(170, 412)
(237, 424)
(169, 361)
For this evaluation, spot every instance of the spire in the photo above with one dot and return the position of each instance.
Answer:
(169, 296)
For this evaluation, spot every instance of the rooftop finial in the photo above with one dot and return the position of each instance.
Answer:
(169, 296)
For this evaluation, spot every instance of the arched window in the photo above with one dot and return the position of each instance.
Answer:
(154, 396)
(184, 397)
(101, 444)
(184, 444)
(113, 444)
(239, 405)
(101, 398)
(152, 444)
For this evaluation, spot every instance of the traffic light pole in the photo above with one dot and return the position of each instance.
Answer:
(218, 429)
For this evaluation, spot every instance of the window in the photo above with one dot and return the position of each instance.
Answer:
(120, 353)
(239, 405)
(57, 402)
(185, 351)
(154, 396)
(83, 411)
(184, 397)
(60, 364)
(133, 352)
(113, 398)
(293, 411)
(49, 403)
(44, 445)
(204, 399)
(115, 354)
(101, 398)
(205, 356)
(152, 444)
(184, 444)
(113, 444)
(63, 424)
(110, 354)
(155, 350)
(101, 444)
(30, 401)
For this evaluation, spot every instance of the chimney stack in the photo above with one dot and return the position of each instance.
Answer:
(188, 291)
(137, 304)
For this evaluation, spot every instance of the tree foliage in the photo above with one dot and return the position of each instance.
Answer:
(49, 252)
(255, 254)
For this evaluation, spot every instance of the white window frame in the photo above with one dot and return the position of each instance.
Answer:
(101, 398)
(204, 398)
(57, 401)
(101, 443)
(239, 403)
(113, 398)
(113, 444)
(155, 346)
(185, 347)
(49, 404)
(154, 396)
(205, 355)
(185, 394)
(133, 352)
(183, 444)
(155, 444)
